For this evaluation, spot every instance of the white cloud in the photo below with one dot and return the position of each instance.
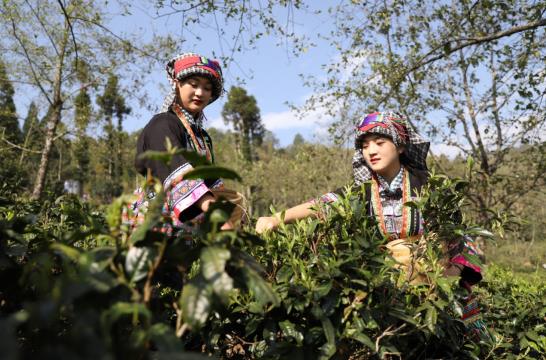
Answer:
(289, 120)
(218, 123)
(274, 121)
(447, 150)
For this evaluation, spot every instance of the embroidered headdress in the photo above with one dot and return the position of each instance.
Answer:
(189, 64)
(394, 126)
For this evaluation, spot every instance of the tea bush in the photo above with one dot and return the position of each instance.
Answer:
(76, 284)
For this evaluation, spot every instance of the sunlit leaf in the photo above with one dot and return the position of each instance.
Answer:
(137, 262)
(196, 302)
(289, 330)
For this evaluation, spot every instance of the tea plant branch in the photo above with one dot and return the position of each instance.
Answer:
(244, 342)
(151, 273)
(387, 332)
(121, 278)
(181, 328)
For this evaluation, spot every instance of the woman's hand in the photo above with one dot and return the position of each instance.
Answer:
(227, 226)
(267, 223)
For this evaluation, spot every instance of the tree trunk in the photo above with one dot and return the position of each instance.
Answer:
(52, 123)
(53, 120)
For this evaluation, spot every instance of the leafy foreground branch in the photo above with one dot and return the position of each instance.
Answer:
(77, 285)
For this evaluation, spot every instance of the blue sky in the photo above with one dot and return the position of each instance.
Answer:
(270, 72)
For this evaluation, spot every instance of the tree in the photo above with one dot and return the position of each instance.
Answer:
(298, 140)
(242, 112)
(9, 125)
(10, 135)
(112, 103)
(80, 145)
(32, 133)
(44, 42)
(31, 120)
(468, 73)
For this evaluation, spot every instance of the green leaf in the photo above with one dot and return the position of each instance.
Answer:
(213, 263)
(212, 172)
(532, 335)
(138, 313)
(431, 318)
(162, 156)
(193, 157)
(67, 251)
(196, 302)
(164, 338)
(261, 289)
(289, 330)
(137, 262)
(329, 348)
(479, 232)
(364, 339)
(400, 314)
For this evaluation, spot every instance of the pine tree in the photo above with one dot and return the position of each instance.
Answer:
(31, 120)
(31, 127)
(9, 125)
(113, 104)
(241, 110)
(298, 140)
(80, 146)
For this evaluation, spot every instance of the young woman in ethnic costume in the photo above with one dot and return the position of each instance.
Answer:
(196, 81)
(390, 160)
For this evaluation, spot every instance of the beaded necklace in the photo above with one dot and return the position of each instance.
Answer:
(183, 115)
(406, 210)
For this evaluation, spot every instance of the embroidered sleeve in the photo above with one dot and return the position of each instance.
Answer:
(181, 194)
(466, 254)
(328, 198)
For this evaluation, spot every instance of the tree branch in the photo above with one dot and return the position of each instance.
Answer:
(27, 56)
(472, 41)
(125, 42)
(37, 16)
(472, 114)
(18, 147)
(71, 31)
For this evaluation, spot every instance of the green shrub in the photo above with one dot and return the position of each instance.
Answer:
(76, 284)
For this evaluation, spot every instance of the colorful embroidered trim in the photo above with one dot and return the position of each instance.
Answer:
(406, 210)
(181, 113)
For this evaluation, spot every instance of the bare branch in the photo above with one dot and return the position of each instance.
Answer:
(37, 16)
(71, 31)
(17, 146)
(178, 11)
(31, 64)
(125, 42)
(472, 41)
(472, 114)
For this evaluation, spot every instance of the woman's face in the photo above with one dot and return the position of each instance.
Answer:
(194, 93)
(381, 155)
